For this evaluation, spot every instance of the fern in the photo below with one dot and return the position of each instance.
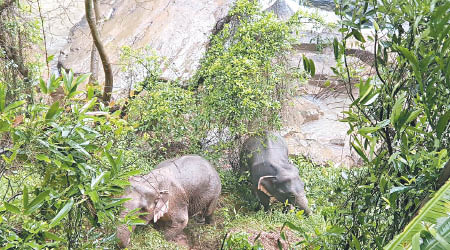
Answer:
(436, 208)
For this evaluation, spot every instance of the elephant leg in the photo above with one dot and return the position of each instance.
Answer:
(264, 199)
(178, 221)
(209, 212)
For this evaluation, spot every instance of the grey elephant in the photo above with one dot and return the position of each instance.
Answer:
(171, 193)
(271, 172)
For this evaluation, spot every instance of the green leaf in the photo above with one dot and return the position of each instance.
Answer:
(37, 202)
(50, 58)
(88, 105)
(14, 105)
(360, 152)
(79, 148)
(43, 157)
(90, 92)
(112, 162)
(81, 79)
(11, 208)
(415, 64)
(383, 123)
(4, 126)
(2, 96)
(52, 112)
(369, 99)
(95, 181)
(62, 213)
(312, 67)
(51, 236)
(305, 63)
(367, 130)
(336, 48)
(412, 116)
(358, 35)
(375, 25)
(94, 196)
(355, 243)
(43, 86)
(25, 197)
(416, 241)
(116, 203)
(442, 123)
(397, 108)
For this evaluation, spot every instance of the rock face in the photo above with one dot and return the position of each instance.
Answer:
(178, 30)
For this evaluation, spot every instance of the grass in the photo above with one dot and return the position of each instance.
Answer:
(239, 212)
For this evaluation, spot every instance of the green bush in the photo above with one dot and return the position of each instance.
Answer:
(242, 80)
(164, 114)
(59, 180)
(399, 122)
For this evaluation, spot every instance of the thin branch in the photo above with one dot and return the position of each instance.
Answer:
(44, 36)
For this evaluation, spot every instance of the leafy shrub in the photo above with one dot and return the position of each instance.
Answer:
(68, 177)
(163, 113)
(399, 122)
(242, 78)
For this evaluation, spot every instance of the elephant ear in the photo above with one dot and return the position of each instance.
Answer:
(264, 182)
(162, 205)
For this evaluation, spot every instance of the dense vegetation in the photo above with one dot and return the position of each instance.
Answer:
(399, 120)
(65, 160)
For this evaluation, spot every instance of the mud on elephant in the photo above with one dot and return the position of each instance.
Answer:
(271, 172)
(174, 191)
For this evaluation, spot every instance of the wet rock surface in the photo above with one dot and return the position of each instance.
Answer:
(177, 30)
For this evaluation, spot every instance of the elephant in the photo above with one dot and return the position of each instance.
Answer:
(271, 172)
(171, 193)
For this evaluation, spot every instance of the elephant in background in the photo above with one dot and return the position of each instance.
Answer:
(171, 193)
(271, 172)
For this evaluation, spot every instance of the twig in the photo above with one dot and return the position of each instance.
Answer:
(45, 38)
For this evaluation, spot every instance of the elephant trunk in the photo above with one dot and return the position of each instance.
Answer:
(302, 203)
(123, 233)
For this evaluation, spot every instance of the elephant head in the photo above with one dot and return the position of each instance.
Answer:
(148, 195)
(285, 187)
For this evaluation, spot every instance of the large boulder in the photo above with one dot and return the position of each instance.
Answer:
(177, 30)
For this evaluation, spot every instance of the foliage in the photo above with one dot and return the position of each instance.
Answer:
(162, 113)
(59, 173)
(399, 121)
(242, 79)
(435, 209)
(240, 241)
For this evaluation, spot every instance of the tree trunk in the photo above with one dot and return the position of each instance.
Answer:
(444, 175)
(94, 53)
(101, 51)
